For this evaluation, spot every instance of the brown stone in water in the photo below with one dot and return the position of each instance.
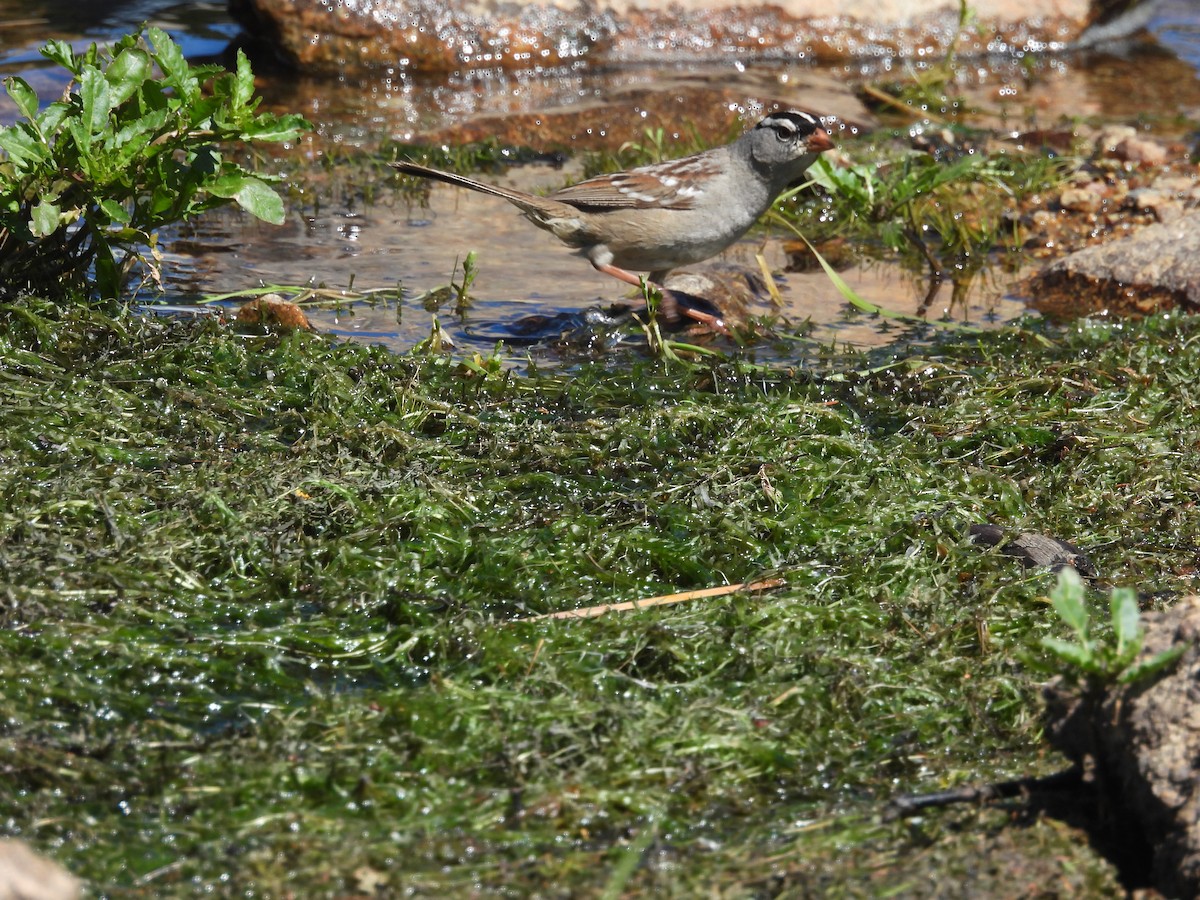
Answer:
(1156, 268)
(1142, 742)
(449, 35)
(272, 311)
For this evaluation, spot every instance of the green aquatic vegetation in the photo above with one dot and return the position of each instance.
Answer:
(261, 600)
(134, 146)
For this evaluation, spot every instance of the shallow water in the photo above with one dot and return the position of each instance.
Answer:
(530, 291)
(529, 288)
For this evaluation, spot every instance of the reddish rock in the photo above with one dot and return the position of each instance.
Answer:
(1087, 198)
(449, 35)
(1140, 151)
(272, 311)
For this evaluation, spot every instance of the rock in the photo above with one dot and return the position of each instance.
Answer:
(26, 876)
(1141, 151)
(1165, 206)
(449, 35)
(272, 311)
(1034, 549)
(1082, 198)
(730, 292)
(1110, 136)
(1142, 744)
(1153, 269)
(1127, 144)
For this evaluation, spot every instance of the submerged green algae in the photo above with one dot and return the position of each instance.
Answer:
(257, 598)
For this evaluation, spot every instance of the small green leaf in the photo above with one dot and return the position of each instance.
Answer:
(126, 74)
(45, 219)
(1152, 666)
(108, 274)
(1067, 598)
(130, 142)
(60, 52)
(1125, 620)
(52, 117)
(82, 138)
(260, 200)
(176, 71)
(25, 147)
(1081, 656)
(276, 129)
(97, 99)
(22, 147)
(243, 85)
(116, 212)
(25, 97)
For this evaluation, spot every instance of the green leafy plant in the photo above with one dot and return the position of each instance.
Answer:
(462, 289)
(457, 289)
(1108, 660)
(658, 345)
(951, 213)
(132, 146)
(653, 149)
(901, 198)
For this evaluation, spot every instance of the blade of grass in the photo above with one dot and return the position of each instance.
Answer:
(769, 280)
(628, 862)
(867, 306)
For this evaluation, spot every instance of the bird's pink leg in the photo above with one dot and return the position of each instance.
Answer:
(669, 307)
(620, 274)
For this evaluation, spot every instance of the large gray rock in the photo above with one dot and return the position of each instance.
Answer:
(1153, 269)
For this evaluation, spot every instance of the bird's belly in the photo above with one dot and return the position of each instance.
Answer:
(689, 245)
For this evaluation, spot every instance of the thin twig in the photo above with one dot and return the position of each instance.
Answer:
(590, 612)
(911, 804)
(911, 111)
(536, 653)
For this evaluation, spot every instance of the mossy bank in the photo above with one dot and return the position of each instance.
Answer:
(258, 598)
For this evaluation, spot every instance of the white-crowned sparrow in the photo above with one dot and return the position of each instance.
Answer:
(659, 217)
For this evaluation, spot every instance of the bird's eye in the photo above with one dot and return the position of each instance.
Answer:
(785, 132)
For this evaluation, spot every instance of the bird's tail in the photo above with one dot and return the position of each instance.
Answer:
(410, 168)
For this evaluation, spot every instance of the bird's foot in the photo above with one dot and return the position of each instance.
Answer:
(676, 305)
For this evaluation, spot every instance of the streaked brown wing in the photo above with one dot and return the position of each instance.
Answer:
(669, 185)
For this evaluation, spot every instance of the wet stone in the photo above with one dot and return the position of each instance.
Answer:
(447, 35)
(1086, 198)
(1153, 269)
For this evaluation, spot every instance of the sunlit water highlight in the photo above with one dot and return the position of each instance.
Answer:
(529, 288)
